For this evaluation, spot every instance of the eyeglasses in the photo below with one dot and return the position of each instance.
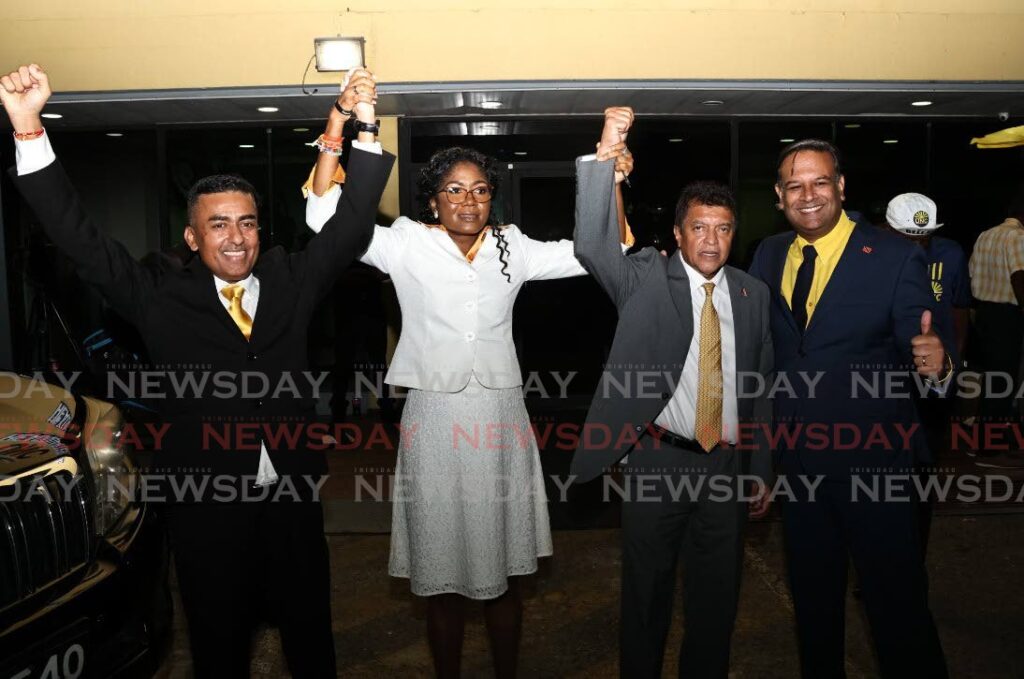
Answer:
(457, 194)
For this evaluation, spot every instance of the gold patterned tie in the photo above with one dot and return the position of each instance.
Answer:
(708, 426)
(234, 293)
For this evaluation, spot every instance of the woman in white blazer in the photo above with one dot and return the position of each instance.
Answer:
(469, 506)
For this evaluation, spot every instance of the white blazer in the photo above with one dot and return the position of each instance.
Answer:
(456, 315)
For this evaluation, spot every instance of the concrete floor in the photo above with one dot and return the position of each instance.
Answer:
(976, 563)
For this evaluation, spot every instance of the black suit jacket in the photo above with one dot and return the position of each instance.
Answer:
(654, 332)
(188, 332)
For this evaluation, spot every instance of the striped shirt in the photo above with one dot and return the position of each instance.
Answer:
(998, 253)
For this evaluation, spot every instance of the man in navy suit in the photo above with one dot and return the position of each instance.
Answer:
(850, 306)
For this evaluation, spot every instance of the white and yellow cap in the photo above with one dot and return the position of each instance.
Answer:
(913, 214)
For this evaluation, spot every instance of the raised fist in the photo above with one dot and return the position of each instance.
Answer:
(24, 93)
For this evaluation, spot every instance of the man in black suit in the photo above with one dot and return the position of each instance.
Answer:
(690, 329)
(234, 559)
(849, 304)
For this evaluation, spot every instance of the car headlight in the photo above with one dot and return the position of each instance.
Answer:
(112, 470)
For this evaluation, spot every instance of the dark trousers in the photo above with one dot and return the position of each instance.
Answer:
(237, 563)
(936, 419)
(999, 329)
(882, 538)
(656, 528)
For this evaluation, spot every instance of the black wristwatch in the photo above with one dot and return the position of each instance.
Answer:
(360, 126)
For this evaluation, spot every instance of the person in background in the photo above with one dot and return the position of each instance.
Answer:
(915, 217)
(997, 282)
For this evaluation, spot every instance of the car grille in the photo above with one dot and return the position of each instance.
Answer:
(44, 533)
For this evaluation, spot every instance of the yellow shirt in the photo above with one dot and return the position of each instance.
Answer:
(829, 248)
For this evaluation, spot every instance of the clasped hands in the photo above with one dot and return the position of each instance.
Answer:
(358, 95)
(617, 121)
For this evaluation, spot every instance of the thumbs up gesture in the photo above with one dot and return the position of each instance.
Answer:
(929, 354)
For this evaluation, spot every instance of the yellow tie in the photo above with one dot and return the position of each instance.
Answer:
(708, 425)
(233, 293)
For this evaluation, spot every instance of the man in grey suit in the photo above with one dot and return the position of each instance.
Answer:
(692, 334)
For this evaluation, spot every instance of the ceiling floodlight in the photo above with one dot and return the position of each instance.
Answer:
(339, 53)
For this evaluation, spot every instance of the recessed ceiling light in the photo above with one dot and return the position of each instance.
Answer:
(53, 116)
(920, 103)
(300, 129)
(268, 109)
(114, 134)
(851, 126)
(890, 141)
(520, 153)
(787, 140)
(246, 146)
(713, 102)
(491, 105)
(675, 140)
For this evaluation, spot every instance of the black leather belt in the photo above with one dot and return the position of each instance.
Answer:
(678, 441)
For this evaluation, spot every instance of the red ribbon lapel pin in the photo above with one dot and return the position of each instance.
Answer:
(743, 291)
(866, 249)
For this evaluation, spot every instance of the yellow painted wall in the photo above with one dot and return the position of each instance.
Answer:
(388, 138)
(146, 44)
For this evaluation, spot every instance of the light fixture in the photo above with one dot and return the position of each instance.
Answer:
(114, 134)
(787, 140)
(921, 103)
(851, 126)
(490, 105)
(675, 140)
(339, 53)
(890, 141)
(300, 129)
(246, 146)
(268, 109)
(52, 116)
(520, 153)
(713, 102)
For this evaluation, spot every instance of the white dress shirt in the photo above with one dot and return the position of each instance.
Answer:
(680, 414)
(456, 315)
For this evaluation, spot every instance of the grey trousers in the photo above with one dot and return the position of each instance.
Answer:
(675, 506)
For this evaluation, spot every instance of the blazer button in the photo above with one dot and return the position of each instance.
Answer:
(665, 396)
(639, 427)
(251, 356)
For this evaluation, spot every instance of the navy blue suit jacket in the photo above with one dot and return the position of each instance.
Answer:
(860, 331)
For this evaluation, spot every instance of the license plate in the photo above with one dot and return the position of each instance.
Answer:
(61, 656)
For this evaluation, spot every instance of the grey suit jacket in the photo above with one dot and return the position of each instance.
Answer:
(655, 328)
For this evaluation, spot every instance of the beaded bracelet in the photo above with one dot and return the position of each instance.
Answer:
(328, 145)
